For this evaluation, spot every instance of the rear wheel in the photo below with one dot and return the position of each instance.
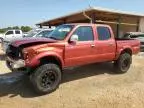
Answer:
(123, 63)
(46, 78)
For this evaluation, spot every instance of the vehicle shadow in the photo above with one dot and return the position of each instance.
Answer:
(17, 83)
(76, 73)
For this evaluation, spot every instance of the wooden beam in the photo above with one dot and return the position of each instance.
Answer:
(111, 22)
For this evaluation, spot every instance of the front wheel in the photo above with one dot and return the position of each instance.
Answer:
(123, 63)
(46, 78)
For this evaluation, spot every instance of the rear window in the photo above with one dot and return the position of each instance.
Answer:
(103, 33)
(17, 32)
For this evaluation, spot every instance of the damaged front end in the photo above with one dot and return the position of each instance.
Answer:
(14, 59)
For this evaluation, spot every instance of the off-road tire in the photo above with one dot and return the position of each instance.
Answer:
(40, 78)
(123, 63)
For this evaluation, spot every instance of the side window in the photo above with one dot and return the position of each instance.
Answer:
(9, 33)
(85, 33)
(103, 33)
(43, 34)
(17, 32)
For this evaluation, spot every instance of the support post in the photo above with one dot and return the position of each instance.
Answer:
(138, 24)
(93, 18)
(40, 25)
(49, 26)
(64, 21)
(118, 27)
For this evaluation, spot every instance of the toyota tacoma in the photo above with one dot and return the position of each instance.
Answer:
(69, 45)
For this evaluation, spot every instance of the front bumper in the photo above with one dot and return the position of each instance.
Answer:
(16, 64)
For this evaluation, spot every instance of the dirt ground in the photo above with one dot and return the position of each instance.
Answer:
(90, 86)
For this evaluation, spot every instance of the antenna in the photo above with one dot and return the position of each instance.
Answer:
(84, 13)
(89, 3)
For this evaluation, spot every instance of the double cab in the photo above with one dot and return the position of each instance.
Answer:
(69, 45)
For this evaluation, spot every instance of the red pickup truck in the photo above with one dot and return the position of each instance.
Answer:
(67, 46)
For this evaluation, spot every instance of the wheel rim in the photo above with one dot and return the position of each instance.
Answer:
(48, 79)
(125, 64)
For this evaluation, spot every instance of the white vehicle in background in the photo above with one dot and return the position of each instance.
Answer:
(1, 37)
(12, 35)
(32, 34)
(38, 33)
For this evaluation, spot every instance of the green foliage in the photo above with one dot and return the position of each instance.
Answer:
(15, 27)
(23, 28)
(2, 30)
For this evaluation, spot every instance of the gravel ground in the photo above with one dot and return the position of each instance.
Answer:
(90, 86)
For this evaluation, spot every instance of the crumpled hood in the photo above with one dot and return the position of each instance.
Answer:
(25, 41)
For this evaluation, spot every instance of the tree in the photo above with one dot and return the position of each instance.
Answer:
(25, 28)
(2, 30)
(15, 27)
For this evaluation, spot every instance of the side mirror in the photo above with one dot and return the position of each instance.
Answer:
(74, 38)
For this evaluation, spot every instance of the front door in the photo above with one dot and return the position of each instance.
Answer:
(82, 51)
(9, 35)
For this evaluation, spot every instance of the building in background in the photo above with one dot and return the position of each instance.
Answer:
(120, 21)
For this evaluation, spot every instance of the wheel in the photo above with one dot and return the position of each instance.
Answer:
(46, 78)
(123, 63)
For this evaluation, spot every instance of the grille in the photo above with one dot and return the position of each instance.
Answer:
(12, 51)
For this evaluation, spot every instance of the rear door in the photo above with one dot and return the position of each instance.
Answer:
(18, 34)
(81, 52)
(105, 44)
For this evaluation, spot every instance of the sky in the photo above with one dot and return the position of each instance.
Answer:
(30, 12)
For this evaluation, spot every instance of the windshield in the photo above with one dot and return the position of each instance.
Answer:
(32, 33)
(44, 33)
(60, 32)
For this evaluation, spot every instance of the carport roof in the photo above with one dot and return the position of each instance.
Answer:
(97, 12)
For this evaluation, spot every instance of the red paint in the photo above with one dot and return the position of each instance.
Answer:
(17, 43)
(81, 53)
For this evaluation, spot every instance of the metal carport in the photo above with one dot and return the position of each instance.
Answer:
(120, 21)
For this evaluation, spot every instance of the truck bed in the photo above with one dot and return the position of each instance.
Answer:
(129, 43)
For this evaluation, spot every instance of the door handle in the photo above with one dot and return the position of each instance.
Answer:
(92, 45)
